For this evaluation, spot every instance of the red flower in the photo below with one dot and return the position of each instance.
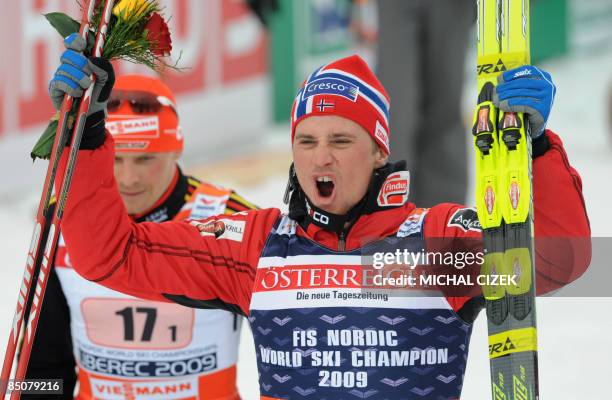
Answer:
(158, 35)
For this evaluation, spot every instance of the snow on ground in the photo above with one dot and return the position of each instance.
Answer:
(574, 339)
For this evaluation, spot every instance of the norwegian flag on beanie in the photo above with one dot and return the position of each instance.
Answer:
(347, 88)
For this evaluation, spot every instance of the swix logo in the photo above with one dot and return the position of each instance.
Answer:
(148, 127)
(322, 218)
(394, 190)
(524, 72)
(308, 276)
(515, 195)
(491, 68)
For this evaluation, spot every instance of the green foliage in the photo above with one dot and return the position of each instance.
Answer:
(127, 39)
(42, 148)
(63, 24)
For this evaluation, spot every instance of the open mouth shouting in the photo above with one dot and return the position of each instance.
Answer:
(326, 190)
(325, 186)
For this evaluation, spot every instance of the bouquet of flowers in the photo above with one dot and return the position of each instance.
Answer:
(137, 32)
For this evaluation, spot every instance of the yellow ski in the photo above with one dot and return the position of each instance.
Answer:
(504, 203)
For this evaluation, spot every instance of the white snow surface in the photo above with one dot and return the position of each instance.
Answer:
(574, 333)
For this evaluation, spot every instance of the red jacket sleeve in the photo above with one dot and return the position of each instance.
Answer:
(562, 231)
(213, 260)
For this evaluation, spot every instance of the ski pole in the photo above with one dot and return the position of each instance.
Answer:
(42, 220)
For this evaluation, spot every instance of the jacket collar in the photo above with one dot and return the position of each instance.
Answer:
(388, 190)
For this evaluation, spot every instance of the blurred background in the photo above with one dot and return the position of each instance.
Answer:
(242, 70)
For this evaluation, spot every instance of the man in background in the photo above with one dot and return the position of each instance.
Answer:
(121, 345)
(421, 56)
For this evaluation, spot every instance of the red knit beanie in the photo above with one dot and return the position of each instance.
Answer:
(349, 89)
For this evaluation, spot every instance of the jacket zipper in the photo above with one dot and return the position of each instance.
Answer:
(341, 241)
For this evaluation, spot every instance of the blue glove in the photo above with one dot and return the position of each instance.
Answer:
(73, 76)
(529, 90)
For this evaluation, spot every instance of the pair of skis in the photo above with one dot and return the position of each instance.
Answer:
(504, 202)
(46, 230)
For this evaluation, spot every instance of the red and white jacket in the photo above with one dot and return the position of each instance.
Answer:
(290, 278)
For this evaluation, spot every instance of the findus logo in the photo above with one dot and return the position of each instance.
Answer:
(333, 86)
(395, 187)
(395, 190)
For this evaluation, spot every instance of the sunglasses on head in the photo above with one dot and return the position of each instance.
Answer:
(140, 102)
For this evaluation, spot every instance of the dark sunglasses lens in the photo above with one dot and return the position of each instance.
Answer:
(113, 104)
(145, 105)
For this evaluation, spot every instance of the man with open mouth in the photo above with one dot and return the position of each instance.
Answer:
(299, 277)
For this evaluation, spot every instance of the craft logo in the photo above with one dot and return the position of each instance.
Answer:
(466, 219)
(394, 190)
(321, 218)
(317, 216)
(139, 128)
(331, 86)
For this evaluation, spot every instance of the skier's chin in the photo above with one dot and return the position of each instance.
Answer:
(135, 204)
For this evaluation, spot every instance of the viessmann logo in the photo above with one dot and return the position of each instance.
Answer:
(146, 127)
